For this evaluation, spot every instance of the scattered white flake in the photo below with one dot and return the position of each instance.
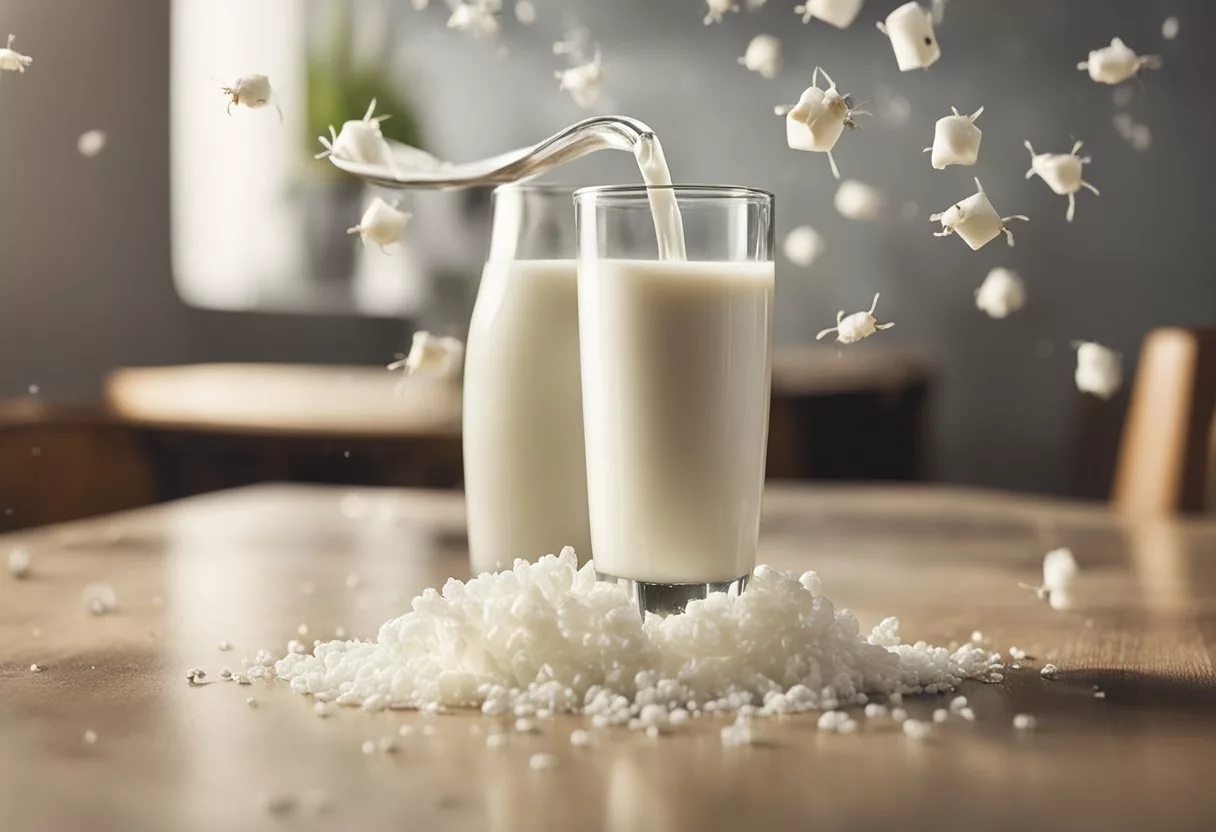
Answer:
(252, 91)
(1099, 694)
(1062, 173)
(1099, 371)
(1169, 29)
(547, 636)
(910, 28)
(224, 646)
(1024, 722)
(525, 12)
(802, 246)
(439, 357)
(899, 714)
(583, 81)
(967, 714)
(856, 326)
(763, 56)
(1139, 136)
(359, 141)
(90, 738)
(543, 762)
(916, 729)
(874, 710)
(975, 220)
(958, 703)
(99, 599)
(19, 563)
(497, 740)
(838, 13)
(195, 675)
(857, 201)
(91, 143)
(819, 118)
(251, 702)
(848, 726)
(368, 747)
(1017, 654)
(737, 733)
(525, 726)
(296, 646)
(580, 738)
(11, 60)
(940, 715)
(1049, 671)
(37, 668)
(830, 720)
(718, 8)
(478, 18)
(1001, 294)
(1116, 63)
(956, 140)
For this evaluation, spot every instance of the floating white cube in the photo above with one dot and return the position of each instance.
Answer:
(956, 140)
(910, 28)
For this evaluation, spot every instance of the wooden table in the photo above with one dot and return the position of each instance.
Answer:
(249, 566)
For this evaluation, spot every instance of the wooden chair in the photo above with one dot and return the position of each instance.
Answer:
(1168, 448)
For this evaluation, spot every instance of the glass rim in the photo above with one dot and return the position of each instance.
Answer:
(695, 191)
(536, 188)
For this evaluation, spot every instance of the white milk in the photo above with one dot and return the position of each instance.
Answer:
(524, 463)
(675, 359)
(667, 224)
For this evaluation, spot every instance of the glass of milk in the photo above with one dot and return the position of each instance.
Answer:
(524, 461)
(676, 372)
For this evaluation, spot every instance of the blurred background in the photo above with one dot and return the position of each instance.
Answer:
(199, 237)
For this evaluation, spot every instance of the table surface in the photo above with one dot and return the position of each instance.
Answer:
(249, 566)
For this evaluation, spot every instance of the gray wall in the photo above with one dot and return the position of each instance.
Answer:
(84, 249)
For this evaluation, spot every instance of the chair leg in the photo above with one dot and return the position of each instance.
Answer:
(1166, 450)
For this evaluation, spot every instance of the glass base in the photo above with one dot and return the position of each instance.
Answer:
(665, 599)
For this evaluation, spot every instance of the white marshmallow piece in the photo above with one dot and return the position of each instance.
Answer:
(1117, 63)
(817, 120)
(382, 224)
(857, 201)
(1062, 173)
(438, 357)
(717, 9)
(583, 82)
(359, 141)
(1060, 570)
(252, 91)
(763, 56)
(856, 326)
(910, 28)
(802, 246)
(1099, 371)
(975, 220)
(838, 13)
(13, 61)
(956, 140)
(1001, 294)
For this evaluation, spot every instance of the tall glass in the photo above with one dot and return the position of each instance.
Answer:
(676, 364)
(524, 463)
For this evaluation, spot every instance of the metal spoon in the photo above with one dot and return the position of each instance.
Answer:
(413, 168)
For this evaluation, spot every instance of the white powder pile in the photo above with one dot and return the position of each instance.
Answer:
(546, 637)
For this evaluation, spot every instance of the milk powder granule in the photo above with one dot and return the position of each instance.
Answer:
(547, 635)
